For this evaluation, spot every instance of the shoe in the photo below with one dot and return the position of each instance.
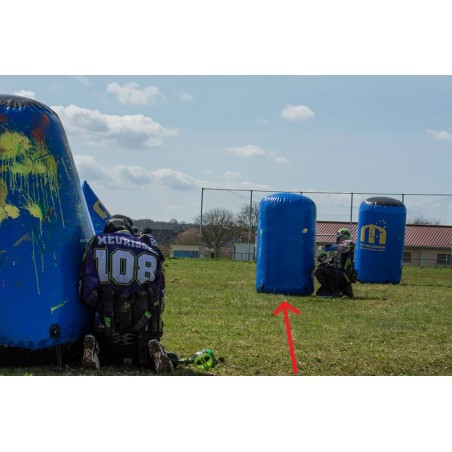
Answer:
(328, 292)
(349, 291)
(323, 291)
(90, 353)
(162, 362)
(173, 358)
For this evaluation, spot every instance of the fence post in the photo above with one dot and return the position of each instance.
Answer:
(200, 223)
(249, 222)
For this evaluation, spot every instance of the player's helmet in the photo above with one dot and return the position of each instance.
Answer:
(343, 233)
(119, 223)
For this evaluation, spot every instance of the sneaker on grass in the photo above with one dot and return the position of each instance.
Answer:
(90, 353)
(161, 360)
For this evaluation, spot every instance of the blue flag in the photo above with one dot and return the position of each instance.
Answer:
(97, 211)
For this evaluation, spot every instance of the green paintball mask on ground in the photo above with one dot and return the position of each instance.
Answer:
(205, 359)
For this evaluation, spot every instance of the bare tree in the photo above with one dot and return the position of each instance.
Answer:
(246, 221)
(420, 220)
(188, 237)
(217, 228)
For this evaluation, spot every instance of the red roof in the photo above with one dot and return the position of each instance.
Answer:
(428, 236)
(326, 230)
(416, 236)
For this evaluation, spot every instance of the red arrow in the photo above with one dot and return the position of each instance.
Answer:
(285, 307)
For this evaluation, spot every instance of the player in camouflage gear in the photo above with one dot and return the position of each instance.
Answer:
(122, 282)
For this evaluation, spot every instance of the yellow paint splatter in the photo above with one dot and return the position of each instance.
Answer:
(12, 211)
(12, 144)
(6, 210)
(58, 306)
(29, 183)
(35, 210)
(29, 171)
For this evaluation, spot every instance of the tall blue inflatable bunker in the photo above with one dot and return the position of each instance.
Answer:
(44, 229)
(286, 244)
(380, 240)
(97, 211)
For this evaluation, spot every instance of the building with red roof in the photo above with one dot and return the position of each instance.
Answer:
(425, 245)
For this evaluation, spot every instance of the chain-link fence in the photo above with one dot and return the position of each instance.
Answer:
(422, 208)
(337, 206)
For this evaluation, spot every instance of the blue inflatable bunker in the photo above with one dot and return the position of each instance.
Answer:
(380, 241)
(97, 211)
(44, 229)
(286, 244)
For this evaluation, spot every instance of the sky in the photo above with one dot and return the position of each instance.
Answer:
(147, 145)
(171, 107)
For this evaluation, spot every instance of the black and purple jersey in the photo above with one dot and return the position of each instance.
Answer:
(121, 261)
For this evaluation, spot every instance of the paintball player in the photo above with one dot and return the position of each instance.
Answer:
(337, 275)
(122, 283)
(147, 237)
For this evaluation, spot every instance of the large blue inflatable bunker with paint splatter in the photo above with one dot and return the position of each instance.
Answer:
(44, 228)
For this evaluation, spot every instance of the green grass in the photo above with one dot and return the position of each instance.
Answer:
(403, 329)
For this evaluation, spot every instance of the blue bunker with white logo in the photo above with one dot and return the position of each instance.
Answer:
(286, 244)
(380, 240)
(44, 229)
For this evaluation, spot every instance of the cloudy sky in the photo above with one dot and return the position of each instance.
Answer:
(235, 113)
(147, 145)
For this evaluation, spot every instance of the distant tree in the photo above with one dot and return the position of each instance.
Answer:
(217, 228)
(173, 224)
(188, 237)
(420, 219)
(246, 221)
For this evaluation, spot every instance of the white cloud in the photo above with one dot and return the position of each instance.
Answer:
(103, 130)
(25, 93)
(282, 160)
(231, 175)
(294, 113)
(131, 176)
(82, 79)
(247, 151)
(249, 185)
(185, 97)
(116, 176)
(440, 135)
(175, 179)
(131, 94)
(88, 168)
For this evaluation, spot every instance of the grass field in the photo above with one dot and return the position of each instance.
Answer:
(403, 329)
